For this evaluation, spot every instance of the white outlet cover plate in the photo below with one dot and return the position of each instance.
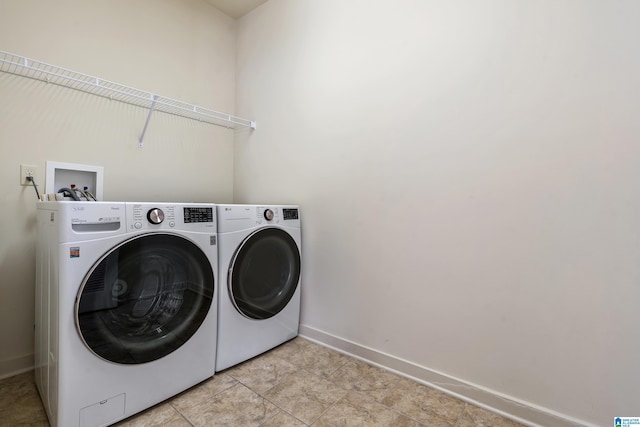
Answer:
(24, 172)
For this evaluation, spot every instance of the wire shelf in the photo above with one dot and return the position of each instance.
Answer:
(26, 67)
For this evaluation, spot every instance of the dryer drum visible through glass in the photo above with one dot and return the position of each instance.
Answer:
(144, 299)
(264, 273)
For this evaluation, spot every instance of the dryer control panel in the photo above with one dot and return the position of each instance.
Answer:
(242, 217)
(276, 214)
(269, 215)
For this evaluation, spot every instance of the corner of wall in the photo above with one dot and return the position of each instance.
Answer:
(16, 365)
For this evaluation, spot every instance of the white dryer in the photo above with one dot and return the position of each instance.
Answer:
(259, 251)
(126, 306)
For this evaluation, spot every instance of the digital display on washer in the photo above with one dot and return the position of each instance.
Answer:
(290, 213)
(198, 215)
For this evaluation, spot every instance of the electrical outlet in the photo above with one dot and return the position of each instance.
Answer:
(29, 170)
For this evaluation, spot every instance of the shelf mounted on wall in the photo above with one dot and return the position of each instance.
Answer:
(22, 66)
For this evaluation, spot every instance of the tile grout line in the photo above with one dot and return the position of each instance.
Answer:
(182, 415)
(262, 395)
(326, 410)
(190, 389)
(283, 378)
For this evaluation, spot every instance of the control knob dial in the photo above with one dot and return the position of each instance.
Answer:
(155, 216)
(268, 214)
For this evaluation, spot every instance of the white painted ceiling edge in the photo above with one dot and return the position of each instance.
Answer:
(235, 8)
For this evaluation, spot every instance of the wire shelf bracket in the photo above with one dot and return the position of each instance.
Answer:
(26, 67)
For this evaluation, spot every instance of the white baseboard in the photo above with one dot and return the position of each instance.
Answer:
(15, 366)
(510, 407)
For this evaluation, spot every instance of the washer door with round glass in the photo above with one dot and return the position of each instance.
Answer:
(264, 273)
(144, 299)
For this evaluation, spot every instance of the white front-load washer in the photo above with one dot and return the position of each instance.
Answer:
(259, 249)
(126, 306)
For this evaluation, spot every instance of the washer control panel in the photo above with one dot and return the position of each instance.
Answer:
(187, 216)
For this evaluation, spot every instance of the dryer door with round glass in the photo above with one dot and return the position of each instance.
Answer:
(145, 298)
(264, 273)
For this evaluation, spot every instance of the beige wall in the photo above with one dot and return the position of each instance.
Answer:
(469, 180)
(181, 49)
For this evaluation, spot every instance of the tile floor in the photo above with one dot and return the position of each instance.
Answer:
(296, 384)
